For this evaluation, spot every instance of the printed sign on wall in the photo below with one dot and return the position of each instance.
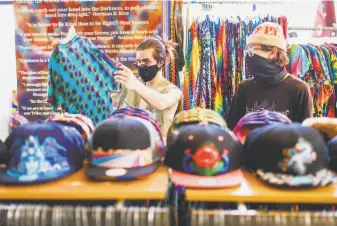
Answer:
(115, 27)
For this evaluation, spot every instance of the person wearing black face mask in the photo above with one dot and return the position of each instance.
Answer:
(270, 86)
(154, 93)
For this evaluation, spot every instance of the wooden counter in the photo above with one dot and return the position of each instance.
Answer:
(252, 190)
(78, 187)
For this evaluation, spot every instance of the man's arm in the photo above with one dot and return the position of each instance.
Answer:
(157, 100)
(237, 108)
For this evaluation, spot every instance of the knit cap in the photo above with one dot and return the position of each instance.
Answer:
(268, 34)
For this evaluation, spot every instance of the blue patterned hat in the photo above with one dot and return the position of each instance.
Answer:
(41, 151)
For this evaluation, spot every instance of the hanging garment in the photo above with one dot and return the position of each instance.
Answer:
(81, 79)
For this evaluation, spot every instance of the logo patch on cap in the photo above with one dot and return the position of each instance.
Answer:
(36, 160)
(298, 158)
(116, 172)
(206, 160)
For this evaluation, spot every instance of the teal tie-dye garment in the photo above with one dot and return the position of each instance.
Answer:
(81, 79)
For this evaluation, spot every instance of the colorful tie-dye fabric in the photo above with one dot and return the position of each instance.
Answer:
(81, 79)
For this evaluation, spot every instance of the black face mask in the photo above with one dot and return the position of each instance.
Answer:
(148, 73)
(265, 72)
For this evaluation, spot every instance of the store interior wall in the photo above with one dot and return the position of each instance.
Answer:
(8, 81)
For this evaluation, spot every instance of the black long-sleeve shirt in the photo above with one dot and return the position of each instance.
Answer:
(291, 97)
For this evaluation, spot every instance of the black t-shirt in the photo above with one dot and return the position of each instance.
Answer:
(291, 97)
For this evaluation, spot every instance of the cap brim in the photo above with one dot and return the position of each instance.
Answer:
(322, 178)
(6, 178)
(99, 173)
(231, 179)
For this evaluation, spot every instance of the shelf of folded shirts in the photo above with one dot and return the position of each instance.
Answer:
(254, 191)
(78, 187)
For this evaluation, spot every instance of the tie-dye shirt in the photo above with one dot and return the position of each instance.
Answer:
(81, 79)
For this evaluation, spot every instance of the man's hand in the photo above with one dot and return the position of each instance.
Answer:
(126, 77)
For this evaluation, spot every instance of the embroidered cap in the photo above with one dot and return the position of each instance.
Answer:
(41, 151)
(254, 120)
(327, 126)
(124, 148)
(197, 115)
(288, 156)
(332, 147)
(204, 156)
(81, 122)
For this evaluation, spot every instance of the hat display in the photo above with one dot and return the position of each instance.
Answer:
(332, 148)
(204, 156)
(197, 115)
(254, 120)
(288, 155)
(81, 122)
(41, 151)
(268, 34)
(124, 148)
(325, 125)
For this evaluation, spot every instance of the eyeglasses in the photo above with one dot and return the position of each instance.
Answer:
(250, 51)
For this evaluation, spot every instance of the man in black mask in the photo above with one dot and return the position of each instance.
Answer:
(154, 93)
(271, 87)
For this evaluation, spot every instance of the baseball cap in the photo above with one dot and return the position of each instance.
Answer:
(204, 156)
(332, 148)
(139, 113)
(269, 34)
(41, 151)
(124, 147)
(288, 155)
(327, 126)
(254, 120)
(16, 119)
(81, 122)
(196, 115)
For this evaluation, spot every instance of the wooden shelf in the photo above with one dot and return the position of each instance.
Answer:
(254, 191)
(78, 187)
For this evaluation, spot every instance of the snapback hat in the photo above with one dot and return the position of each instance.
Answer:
(327, 126)
(204, 156)
(124, 148)
(268, 34)
(140, 113)
(197, 115)
(41, 151)
(16, 119)
(81, 122)
(332, 148)
(254, 120)
(288, 156)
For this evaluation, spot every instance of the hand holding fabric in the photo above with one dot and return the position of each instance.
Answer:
(126, 78)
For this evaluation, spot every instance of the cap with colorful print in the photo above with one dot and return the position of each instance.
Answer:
(41, 151)
(124, 147)
(254, 120)
(81, 122)
(204, 156)
(197, 115)
(288, 156)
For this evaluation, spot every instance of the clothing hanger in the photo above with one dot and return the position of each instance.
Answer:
(71, 33)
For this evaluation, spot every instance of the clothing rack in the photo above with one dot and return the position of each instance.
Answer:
(312, 28)
(61, 215)
(259, 218)
(233, 2)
